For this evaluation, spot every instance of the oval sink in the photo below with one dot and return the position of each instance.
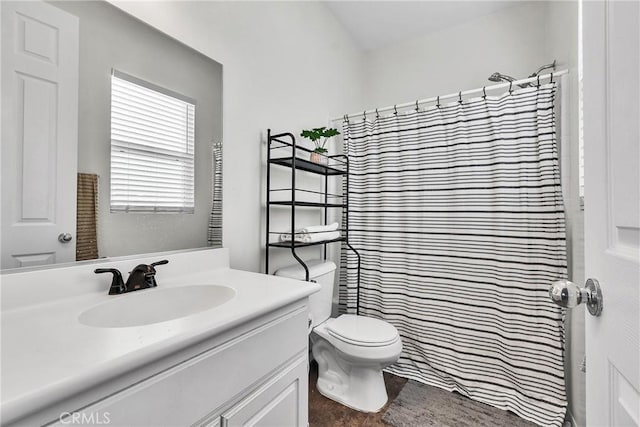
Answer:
(155, 305)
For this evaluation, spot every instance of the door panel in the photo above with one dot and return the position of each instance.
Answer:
(39, 133)
(611, 41)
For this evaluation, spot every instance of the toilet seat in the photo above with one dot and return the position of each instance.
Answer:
(362, 331)
(363, 349)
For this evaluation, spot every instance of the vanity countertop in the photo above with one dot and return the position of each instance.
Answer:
(48, 355)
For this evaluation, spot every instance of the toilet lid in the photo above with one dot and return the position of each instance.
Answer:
(361, 330)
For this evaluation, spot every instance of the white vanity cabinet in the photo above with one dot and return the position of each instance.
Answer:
(241, 362)
(255, 375)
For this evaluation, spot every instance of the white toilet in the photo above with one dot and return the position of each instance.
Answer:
(351, 351)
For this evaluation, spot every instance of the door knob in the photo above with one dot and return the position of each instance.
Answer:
(568, 295)
(64, 237)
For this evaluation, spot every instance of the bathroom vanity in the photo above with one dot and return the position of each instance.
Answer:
(243, 361)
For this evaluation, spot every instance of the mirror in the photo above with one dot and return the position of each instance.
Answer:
(110, 39)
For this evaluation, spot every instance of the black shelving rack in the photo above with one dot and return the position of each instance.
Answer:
(338, 165)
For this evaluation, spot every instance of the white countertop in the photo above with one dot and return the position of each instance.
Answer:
(48, 355)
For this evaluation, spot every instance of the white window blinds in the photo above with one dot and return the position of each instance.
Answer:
(152, 143)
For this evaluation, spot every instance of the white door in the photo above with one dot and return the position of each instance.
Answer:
(611, 49)
(39, 133)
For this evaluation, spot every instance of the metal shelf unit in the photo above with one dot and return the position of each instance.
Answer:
(338, 166)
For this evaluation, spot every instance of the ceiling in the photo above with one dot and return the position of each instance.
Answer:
(376, 24)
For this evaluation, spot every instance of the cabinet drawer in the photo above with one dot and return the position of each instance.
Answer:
(187, 392)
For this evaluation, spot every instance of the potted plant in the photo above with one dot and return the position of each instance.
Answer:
(316, 135)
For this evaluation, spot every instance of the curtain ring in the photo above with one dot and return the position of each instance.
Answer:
(417, 108)
(395, 110)
(377, 115)
(460, 97)
(438, 101)
(484, 92)
(510, 87)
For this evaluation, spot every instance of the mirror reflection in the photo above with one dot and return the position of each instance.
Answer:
(111, 138)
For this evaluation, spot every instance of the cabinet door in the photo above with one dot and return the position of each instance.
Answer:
(279, 402)
(213, 379)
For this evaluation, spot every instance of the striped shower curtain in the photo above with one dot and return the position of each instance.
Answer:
(457, 214)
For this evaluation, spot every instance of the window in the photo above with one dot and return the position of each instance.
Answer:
(152, 143)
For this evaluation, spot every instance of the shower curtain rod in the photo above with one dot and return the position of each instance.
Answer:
(455, 95)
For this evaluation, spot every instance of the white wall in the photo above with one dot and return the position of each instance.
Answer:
(286, 66)
(562, 42)
(511, 41)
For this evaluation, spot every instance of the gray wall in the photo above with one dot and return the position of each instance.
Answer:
(109, 38)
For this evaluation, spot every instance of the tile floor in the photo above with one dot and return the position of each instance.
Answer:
(325, 412)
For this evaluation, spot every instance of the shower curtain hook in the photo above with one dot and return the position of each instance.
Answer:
(538, 80)
(438, 101)
(551, 81)
(417, 108)
(484, 92)
(395, 110)
(364, 115)
(510, 87)
(377, 115)
(460, 97)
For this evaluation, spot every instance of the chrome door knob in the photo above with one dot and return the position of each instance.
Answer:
(568, 295)
(64, 237)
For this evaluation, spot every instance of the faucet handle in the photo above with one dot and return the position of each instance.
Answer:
(164, 261)
(150, 278)
(117, 284)
(144, 276)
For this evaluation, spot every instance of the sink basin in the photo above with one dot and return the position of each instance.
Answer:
(155, 305)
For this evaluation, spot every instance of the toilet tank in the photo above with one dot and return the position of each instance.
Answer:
(322, 272)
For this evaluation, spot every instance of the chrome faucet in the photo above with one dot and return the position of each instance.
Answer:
(143, 276)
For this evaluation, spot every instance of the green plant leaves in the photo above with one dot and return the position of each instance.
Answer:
(330, 132)
(313, 135)
(316, 134)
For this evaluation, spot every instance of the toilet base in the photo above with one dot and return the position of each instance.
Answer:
(359, 387)
(370, 395)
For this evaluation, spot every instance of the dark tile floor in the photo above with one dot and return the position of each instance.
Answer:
(325, 412)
